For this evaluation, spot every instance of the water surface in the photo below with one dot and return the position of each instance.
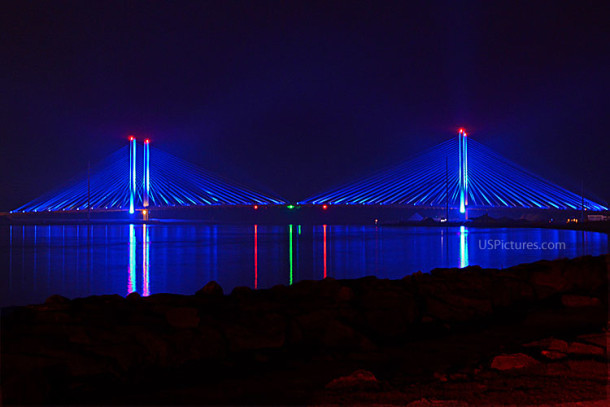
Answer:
(81, 260)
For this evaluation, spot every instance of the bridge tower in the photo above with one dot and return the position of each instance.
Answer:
(146, 173)
(146, 178)
(132, 174)
(463, 170)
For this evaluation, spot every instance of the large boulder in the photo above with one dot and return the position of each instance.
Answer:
(577, 348)
(548, 278)
(255, 331)
(508, 290)
(211, 289)
(514, 361)
(579, 301)
(360, 380)
(182, 317)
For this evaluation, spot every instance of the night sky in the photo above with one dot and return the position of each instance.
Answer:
(296, 97)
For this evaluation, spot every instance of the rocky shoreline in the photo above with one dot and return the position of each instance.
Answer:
(529, 335)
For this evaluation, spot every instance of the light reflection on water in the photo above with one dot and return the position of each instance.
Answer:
(77, 261)
(463, 246)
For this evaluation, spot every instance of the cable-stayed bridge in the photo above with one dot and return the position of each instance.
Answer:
(459, 173)
(162, 180)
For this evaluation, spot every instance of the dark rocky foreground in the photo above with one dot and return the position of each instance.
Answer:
(528, 335)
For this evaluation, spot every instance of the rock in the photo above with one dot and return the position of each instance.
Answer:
(543, 343)
(587, 273)
(553, 355)
(111, 298)
(172, 300)
(155, 345)
(558, 345)
(507, 290)
(548, 279)
(182, 317)
(359, 380)
(55, 317)
(212, 288)
(388, 311)
(576, 301)
(387, 323)
(279, 288)
(241, 292)
(57, 300)
(133, 296)
(253, 332)
(441, 377)
(90, 343)
(588, 369)
(195, 345)
(552, 368)
(339, 335)
(124, 355)
(398, 302)
(77, 334)
(577, 348)
(313, 324)
(326, 288)
(26, 382)
(600, 340)
(553, 349)
(345, 294)
(424, 402)
(454, 307)
(514, 361)
(458, 377)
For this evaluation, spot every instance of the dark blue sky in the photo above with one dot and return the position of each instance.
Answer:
(296, 97)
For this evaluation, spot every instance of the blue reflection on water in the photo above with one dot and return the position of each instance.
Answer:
(463, 246)
(77, 261)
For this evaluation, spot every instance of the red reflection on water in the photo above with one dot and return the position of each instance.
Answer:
(145, 258)
(255, 257)
(131, 282)
(325, 270)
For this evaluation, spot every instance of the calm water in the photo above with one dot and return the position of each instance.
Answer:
(76, 261)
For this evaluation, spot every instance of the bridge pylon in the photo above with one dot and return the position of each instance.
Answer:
(463, 171)
(146, 174)
(132, 174)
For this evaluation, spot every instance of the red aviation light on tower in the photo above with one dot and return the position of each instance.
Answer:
(465, 134)
(461, 131)
(146, 141)
(131, 138)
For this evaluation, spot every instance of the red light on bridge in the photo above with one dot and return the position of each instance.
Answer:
(325, 207)
(255, 207)
(461, 130)
(131, 138)
(147, 141)
(465, 135)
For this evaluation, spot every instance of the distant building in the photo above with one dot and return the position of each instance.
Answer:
(597, 218)
(416, 217)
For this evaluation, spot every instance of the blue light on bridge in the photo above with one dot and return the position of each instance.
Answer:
(477, 178)
(167, 181)
(132, 173)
